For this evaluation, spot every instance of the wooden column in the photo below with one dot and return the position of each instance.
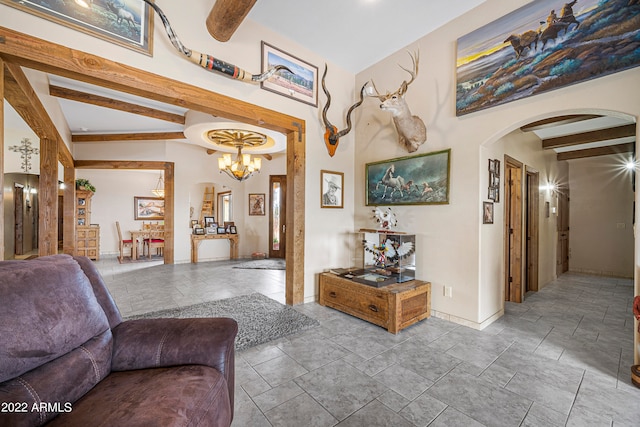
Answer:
(2, 159)
(69, 209)
(48, 198)
(226, 16)
(295, 216)
(169, 221)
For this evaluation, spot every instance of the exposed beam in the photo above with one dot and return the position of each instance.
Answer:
(226, 16)
(599, 151)
(140, 136)
(121, 164)
(589, 137)
(63, 61)
(101, 101)
(557, 121)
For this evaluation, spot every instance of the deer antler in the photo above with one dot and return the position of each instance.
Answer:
(209, 62)
(331, 135)
(415, 58)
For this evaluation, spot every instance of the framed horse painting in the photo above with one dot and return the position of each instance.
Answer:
(412, 180)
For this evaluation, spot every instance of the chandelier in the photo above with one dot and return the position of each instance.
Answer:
(243, 167)
(159, 190)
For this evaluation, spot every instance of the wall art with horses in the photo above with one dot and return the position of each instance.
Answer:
(543, 46)
(411, 180)
(127, 23)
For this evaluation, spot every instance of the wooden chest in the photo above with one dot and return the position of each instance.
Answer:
(88, 241)
(393, 307)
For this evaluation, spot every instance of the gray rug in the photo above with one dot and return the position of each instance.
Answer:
(264, 264)
(260, 319)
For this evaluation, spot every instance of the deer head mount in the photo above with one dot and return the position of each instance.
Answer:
(331, 135)
(209, 62)
(412, 132)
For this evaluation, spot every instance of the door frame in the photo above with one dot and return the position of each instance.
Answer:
(513, 289)
(282, 252)
(532, 248)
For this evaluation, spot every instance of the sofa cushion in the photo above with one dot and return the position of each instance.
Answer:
(190, 395)
(54, 387)
(47, 308)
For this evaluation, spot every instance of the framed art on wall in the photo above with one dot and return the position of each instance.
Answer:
(331, 189)
(487, 212)
(411, 180)
(256, 204)
(301, 86)
(128, 23)
(148, 208)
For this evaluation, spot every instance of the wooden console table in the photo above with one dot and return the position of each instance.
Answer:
(394, 307)
(196, 239)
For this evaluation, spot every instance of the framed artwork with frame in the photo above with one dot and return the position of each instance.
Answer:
(208, 221)
(198, 231)
(301, 86)
(487, 212)
(128, 23)
(331, 189)
(256, 203)
(148, 208)
(494, 180)
(411, 180)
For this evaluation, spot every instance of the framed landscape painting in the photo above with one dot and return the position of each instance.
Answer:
(148, 208)
(412, 180)
(543, 46)
(128, 23)
(301, 86)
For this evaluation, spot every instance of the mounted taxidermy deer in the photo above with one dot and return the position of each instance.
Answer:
(331, 135)
(412, 132)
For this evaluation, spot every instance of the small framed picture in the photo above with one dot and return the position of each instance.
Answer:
(211, 230)
(208, 220)
(332, 189)
(487, 212)
(233, 229)
(221, 230)
(256, 204)
(301, 86)
(198, 230)
(194, 222)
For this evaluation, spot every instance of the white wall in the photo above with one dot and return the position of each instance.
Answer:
(601, 242)
(325, 239)
(451, 238)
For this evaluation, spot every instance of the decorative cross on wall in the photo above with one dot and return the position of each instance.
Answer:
(26, 151)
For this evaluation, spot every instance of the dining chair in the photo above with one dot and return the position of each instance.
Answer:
(155, 240)
(123, 244)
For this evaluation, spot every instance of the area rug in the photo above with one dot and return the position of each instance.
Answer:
(264, 264)
(260, 319)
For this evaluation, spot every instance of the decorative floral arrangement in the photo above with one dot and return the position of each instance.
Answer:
(82, 183)
(385, 217)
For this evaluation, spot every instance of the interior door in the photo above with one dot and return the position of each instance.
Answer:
(277, 216)
(513, 230)
(18, 197)
(532, 224)
(563, 233)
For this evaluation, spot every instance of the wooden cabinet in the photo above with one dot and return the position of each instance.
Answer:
(87, 235)
(394, 307)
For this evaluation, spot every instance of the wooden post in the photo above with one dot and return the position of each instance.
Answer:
(2, 159)
(226, 16)
(48, 198)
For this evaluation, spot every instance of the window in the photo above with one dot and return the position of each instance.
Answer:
(225, 207)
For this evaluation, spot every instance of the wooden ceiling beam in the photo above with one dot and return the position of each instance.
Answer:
(63, 61)
(557, 121)
(599, 151)
(101, 101)
(624, 131)
(140, 136)
(226, 16)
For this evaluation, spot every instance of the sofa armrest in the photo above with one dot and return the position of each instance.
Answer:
(154, 343)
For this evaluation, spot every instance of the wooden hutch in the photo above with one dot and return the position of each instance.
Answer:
(87, 234)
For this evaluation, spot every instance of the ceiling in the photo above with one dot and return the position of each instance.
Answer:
(97, 114)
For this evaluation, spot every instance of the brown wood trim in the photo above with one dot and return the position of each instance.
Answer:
(144, 136)
(599, 151)
(557, 121)
(43, 55)
(226, 16)
(623, 131)
(48, 198)
(114, 104)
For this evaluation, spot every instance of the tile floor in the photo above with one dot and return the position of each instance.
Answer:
(561, 358)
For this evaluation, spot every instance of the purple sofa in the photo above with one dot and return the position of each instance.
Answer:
(68, 359)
